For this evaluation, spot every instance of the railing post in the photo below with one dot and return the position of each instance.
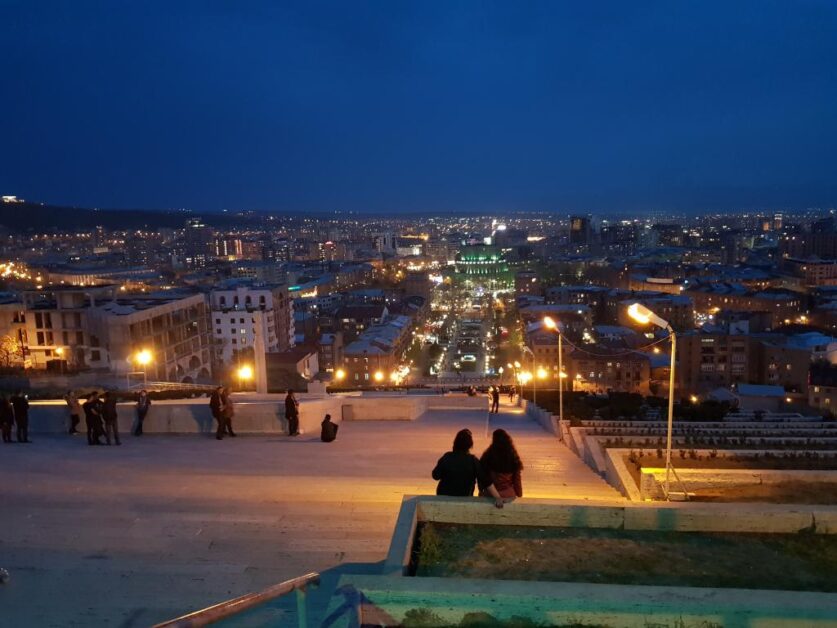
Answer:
(302, 607)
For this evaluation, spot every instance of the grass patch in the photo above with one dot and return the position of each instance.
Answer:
(801, 562)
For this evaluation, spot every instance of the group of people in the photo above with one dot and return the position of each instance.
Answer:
(497, 473)
(14, 411)
(101, 416)
(222, 408)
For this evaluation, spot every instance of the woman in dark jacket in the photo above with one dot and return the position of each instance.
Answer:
(459, 471)
(502, 464)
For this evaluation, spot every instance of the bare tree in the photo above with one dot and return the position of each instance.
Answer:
(11, 352)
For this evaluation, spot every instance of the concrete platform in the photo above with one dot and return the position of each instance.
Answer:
(132, 535)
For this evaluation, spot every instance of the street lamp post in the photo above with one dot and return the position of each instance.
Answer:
(553, 325)
(143, 358)
(60, 353)
(534, 375)
(643, 315)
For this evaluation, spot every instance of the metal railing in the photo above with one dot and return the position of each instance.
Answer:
(238, 605)
(172, 386)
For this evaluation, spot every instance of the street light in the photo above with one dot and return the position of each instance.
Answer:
(379, 376)
(643, 315)
(143, 358)
(550, 323)
(340, 375)
(245, 373)
(60, 353)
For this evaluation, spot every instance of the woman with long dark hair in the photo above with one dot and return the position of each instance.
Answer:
(459, 471)
(502, 464)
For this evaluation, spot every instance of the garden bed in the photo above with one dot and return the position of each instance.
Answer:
(777, 478)
(799, 562)
(793, 492)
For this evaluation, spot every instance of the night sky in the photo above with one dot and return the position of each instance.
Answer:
(420, 106)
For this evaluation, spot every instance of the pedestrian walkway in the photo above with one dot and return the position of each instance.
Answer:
(165, 524)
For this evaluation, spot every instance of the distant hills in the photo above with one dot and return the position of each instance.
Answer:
(23, 217)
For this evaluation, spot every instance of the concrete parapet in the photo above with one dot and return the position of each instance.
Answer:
(254, 413)
(382, 600)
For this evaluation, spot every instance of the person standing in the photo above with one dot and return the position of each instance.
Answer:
(512, 393)
(75, 411)
(215, 409)
(20, 404)
(111, 417)
(329, 430)
(502, 463)
(495, 400)
(459, 471)
(7, 419)
(143, 405)
(292, 413)
(227, 410)
(93, 417)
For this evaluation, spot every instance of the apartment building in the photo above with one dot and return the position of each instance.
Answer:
(629, 372)
(706, 361)
(782, 305)
(239, 307)
(378, 352)
(99, 327)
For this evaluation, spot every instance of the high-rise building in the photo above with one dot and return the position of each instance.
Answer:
(579, 230)
(196, 248)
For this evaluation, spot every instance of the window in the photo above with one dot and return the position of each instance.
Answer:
(95, 356)
(234, 341)
(218, 331)
(217, 321)
(240, 320)
(243, 331)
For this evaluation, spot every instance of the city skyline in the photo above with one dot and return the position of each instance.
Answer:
(414, 108)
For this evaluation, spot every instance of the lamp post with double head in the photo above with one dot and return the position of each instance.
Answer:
(643, 315)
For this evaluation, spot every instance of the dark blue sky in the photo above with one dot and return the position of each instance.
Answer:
(432, 105)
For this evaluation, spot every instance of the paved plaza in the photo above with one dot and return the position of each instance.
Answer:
(131, 535)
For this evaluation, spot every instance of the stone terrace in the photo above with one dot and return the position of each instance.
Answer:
(165, 524)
